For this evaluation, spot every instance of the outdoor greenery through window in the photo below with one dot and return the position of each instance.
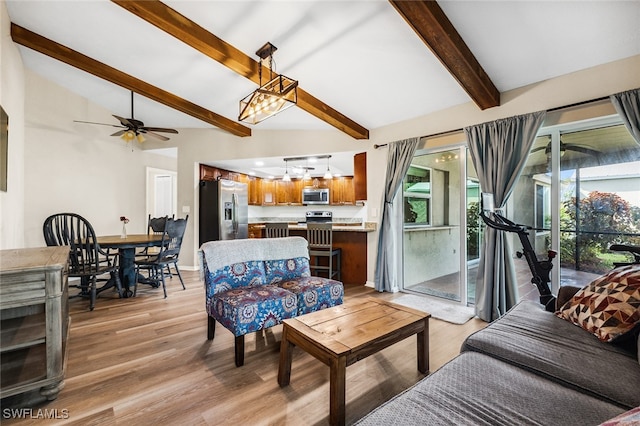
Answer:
(595, 171)
(416, 189)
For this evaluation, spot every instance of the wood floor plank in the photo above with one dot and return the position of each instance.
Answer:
(146, 360)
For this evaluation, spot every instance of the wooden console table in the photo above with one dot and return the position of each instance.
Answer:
(34, 322)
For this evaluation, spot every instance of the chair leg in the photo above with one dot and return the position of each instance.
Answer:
(175, 265)
(92, 297)
(211, 328)
(239, 351)
(164, 286)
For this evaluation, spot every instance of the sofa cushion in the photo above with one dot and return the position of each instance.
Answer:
(286, 269)
(242, 274)
(218, 254)
(609, 306)
(529, 337)
(315, 293)
(475, 389)
(248, 309)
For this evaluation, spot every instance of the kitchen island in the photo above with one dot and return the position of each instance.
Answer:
(350, 237)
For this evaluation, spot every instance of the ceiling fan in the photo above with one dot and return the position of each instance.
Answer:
(134, 129)
(567, 147)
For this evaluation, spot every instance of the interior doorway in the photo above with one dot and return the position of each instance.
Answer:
(162, 194)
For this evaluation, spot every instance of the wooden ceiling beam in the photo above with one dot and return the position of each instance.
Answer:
(62, 53)
(434, 28)
(184, 29)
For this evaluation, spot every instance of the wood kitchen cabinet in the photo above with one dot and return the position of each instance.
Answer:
(268, 192)
(342, 191)
(360, 176)
(34, 323)
(255, 191)
(289, 193)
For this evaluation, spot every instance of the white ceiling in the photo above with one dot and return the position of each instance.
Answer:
(358, 56)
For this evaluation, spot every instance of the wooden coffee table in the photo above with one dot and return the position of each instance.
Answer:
(345, 334)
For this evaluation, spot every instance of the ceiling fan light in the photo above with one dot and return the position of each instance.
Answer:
(128, 136)
(140, 138)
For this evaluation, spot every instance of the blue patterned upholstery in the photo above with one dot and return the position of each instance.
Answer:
(249, 309)
(255, 284)
(286, 269)
(315, 293)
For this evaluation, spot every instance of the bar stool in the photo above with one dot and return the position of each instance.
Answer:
(277, 230)
(320, 239)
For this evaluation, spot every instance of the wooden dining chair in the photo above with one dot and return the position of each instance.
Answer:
(168, 255)
(87, 260)
(276, 230)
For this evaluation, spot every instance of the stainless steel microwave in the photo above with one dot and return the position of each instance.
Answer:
(312, 195)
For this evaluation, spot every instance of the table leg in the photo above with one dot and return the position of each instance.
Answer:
(423, 348)
(127, 270)
(337, 390)
(286, 352)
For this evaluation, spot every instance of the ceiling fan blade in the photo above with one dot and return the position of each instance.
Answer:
(99, 124)
(119, 133)
(157, 136)
(159, 129)
(125, 121)
(582, 149)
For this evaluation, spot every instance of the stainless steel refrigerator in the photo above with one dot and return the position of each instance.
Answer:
(224, 210)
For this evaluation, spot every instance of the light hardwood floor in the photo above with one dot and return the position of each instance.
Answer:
(146, 360)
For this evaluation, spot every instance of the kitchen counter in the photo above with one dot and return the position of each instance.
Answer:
(336, 227)
(350, 236)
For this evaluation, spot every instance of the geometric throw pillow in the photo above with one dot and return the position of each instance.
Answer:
(609, 306)
(628, 418)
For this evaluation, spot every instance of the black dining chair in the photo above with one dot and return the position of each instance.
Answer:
(155, 226)
(167, 256)
(86, 260)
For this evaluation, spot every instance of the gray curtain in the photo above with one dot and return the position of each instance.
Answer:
(499, 152)
(628, 107)
(388, 264)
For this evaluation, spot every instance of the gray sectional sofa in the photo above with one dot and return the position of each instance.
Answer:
(528, 367)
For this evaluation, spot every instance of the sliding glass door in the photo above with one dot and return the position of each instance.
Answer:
(434, 238)
(580, 191)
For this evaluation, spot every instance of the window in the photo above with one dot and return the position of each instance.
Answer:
(416, 189)
(543, 207)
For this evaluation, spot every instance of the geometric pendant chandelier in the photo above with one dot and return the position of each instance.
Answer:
(278, 94)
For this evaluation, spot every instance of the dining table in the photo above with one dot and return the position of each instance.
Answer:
(126, 246)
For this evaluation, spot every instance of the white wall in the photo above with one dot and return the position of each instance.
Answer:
(12, 100)
(75, 167)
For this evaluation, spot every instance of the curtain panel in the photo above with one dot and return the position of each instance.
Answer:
(388, 273)
(627, 105)
(499, 151)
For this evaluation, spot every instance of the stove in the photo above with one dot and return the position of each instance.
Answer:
(321, 216)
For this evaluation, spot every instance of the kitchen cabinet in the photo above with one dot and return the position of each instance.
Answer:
(342, 191)
(255, 230)
(268, 192)
(360, 176)
(255, 191)
(34, 322)
(289, 193)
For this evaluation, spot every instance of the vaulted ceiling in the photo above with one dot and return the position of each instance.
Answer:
(360, 64)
